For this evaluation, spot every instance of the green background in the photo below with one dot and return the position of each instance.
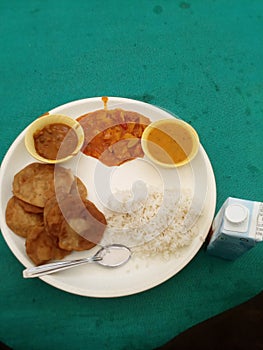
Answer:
(199, 59)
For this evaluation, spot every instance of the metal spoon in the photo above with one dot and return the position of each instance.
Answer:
(113, 255)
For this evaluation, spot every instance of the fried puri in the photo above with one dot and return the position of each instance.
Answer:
(29, 208)
(49, 208)
(78, 188)
(20, 221)
(78, 224)
(53, 217)
(42, 247)
(37, 182)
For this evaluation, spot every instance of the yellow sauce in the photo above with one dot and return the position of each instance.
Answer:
(169, 143)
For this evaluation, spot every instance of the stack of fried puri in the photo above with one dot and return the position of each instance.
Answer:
(50, 210)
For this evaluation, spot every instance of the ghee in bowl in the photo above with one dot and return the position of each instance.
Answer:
(54, 138)
(170, 142)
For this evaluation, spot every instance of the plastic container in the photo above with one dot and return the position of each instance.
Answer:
(237, 227)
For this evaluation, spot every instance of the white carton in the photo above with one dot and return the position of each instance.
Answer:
(237, 227)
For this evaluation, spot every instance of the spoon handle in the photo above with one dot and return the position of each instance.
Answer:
(47, 269)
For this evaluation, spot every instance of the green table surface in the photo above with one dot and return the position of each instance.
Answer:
(199, 59)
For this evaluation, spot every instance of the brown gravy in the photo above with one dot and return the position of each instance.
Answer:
(55, 141)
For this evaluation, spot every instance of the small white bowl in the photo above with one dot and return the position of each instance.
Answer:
(182, 134)
(45, 120)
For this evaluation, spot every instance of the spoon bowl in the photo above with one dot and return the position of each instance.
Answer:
(113, 255)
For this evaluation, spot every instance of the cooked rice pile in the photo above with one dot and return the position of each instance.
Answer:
(151, 221)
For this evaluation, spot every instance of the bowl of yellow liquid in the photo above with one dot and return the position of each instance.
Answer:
(170, 142)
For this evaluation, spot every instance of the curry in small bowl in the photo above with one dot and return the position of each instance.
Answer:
(54, 138)
(170, 143)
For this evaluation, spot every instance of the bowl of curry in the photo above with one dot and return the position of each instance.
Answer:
(54, 138)
(170, 143)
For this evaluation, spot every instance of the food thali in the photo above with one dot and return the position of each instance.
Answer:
(143, 271)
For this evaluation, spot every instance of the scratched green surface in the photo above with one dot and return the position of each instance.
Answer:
(200, 59)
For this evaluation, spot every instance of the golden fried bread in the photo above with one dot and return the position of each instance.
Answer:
(53, 217)
(37, 182)
(42, 247)
(78, 188)
(83, 225)
(20, 221)
(49, 208)
(29, 208)
(70, 240)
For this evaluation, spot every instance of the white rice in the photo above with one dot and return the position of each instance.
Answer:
(151, 222)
